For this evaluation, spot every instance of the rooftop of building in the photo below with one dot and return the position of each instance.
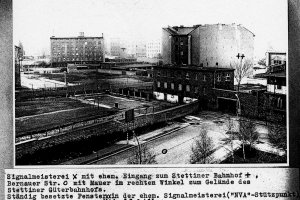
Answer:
(192, 67)
(63, 38)
(81, 36)
(276, 52)
(185, 30)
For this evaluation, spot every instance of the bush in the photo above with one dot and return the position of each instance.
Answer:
(142, 156)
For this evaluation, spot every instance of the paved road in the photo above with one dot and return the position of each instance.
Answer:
(178, 145)
(179, 142)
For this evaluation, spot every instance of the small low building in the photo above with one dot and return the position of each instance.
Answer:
(41, 70)
(275, 96)
(81, 68)
(275, 58)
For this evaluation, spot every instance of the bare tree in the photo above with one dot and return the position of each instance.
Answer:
(247, 134)
(242, 69)
(202, 148)
(277, 135)
(262, 62)
(142, 155)
(230, 129)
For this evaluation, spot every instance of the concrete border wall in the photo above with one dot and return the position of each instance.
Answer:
(101, 129)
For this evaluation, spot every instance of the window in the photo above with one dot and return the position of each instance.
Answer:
(279, 103)
(188, 89)
(181, 53)
(187, 76)
(172, 74)
(204, 90)
(179, 74)
(158, 84)
(219, 77)
(196, 90)
(204, 77)
(158, 73)
(196, 77)
(172, 86)
(181, 43)
(278, 87)
(227, 78)
(165, 85)
(217, 63)
(179, 87)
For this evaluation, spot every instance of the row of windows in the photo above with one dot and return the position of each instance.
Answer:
(187, 87)
(76, 54)
(75, 48)
(187, 75)
(75, 59)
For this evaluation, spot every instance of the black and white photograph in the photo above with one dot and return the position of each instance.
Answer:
(143, 83)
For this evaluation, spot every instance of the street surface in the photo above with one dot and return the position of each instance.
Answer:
(178, 143)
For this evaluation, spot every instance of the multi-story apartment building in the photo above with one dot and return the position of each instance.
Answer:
(210, 45)
(127, 47)
(115, 47)
(153, 49)
(81, 49)
(188, 83)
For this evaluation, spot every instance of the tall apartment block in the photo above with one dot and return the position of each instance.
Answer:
(77, 50)
(206, 45)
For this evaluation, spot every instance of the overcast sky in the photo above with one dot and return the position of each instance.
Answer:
(35, 21)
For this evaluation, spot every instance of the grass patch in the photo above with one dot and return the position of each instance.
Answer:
(36, 107)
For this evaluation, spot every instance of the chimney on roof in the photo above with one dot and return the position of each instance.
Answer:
(81, 34)
(181, 26)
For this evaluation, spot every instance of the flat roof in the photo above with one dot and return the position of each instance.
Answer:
(64, 38)
(193, 67)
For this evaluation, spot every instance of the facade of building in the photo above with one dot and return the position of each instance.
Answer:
(127, 47)
(153, 49)
(190, 83)
(18, 59)
(115, 47)
(215, 45)
(276, 87)
(81, 49)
